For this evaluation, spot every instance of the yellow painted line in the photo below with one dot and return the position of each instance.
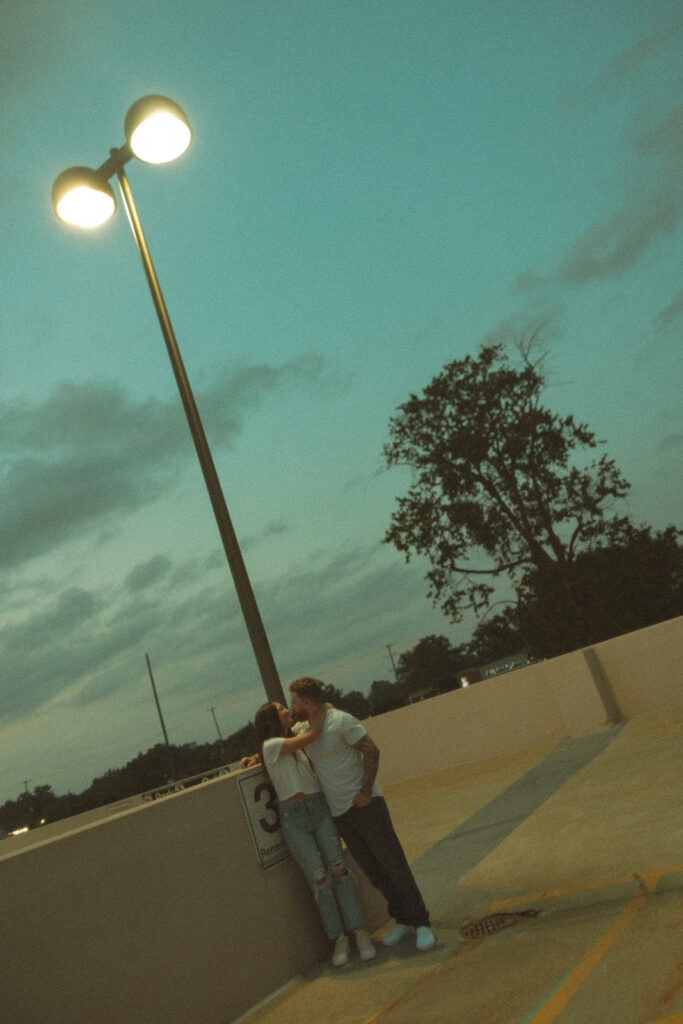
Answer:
(571, 983)
(570, 890)
(426, 979)
(649, 878)
(575, 979)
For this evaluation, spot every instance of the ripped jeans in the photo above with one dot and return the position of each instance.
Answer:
(313, 841)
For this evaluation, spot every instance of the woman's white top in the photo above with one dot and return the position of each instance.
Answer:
(289, 773)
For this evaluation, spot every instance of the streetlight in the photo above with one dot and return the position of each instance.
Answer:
(156, 131)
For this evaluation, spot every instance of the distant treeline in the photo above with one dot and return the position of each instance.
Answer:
(150, 770)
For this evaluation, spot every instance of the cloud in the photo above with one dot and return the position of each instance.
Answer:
(147, 573)
(72, 609)
(542, 323)
(613, 246)
(342, 606)
(275, 528)
(47, 502)
(672, 442)
(77, 646)
(529, 281)
(88, 452)
(47, 649)
(622, 69)
(222, 406)
(79, 656)
(672, 311)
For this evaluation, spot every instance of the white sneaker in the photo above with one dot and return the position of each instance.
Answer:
(425, 938)
(398, 932)
(364, 943)
(341, 951)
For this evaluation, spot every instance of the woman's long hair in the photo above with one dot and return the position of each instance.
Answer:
(267, 724)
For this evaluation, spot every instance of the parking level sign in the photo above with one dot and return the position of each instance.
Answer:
(260, 808)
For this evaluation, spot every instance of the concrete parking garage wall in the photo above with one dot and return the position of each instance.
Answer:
(163, 912)
(573, 695)
(645, 668)
(161, 915)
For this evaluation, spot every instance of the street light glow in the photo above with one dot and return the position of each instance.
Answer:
(82, 199)
(162, 137)
(157, 130)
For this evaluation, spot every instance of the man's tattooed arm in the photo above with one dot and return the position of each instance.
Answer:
(370, 754)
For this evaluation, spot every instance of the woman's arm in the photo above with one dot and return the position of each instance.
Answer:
(302, 740)
(315, 725)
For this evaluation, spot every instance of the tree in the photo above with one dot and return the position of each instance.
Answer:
(497, 637)
(627, 585)
(497, 493)
(356, 703)
(386, 696)
(432, 664)
(239, 743)
(330, 694)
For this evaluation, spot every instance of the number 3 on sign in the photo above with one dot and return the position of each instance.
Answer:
(261, 811)
(266, 788)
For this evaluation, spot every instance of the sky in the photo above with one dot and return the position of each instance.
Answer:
(374, 189)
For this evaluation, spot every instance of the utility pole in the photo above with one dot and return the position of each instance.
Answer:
(161, 719)
(218, 730)
(393, 663)
(399, 689)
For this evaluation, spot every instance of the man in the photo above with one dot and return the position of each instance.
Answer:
(346, 761)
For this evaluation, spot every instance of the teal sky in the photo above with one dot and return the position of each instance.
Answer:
(375, 187)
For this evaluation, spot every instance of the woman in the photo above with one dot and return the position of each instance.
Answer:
(308, 828)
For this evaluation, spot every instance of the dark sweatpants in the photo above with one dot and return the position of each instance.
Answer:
(369, 834)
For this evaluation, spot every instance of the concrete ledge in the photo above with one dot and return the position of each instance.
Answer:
(162, 914)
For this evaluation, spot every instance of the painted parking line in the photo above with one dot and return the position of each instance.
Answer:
(556, 1001)
(426, 979)
(647, 879)
(569, 985)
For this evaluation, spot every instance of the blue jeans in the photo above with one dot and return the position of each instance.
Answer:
(313, 841)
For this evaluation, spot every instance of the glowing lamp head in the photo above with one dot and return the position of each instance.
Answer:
(80, 197)
(157, 130)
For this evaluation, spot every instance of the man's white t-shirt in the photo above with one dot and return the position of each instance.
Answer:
(289, 773)
(338, 766)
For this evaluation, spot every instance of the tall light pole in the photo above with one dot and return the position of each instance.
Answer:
(157, 131)
(169, 751)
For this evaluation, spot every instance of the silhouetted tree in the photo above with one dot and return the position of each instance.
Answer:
(331, 694)
(625, 586)
(240, 743)
(149, 770)
(356, 703)
(432, 664)
(496, 637)
(386, 696)
(497, 494)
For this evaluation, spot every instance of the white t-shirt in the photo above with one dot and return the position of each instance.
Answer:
(289, 773)
(338, 766)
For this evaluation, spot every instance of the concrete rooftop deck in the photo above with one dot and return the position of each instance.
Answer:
(588, 832)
